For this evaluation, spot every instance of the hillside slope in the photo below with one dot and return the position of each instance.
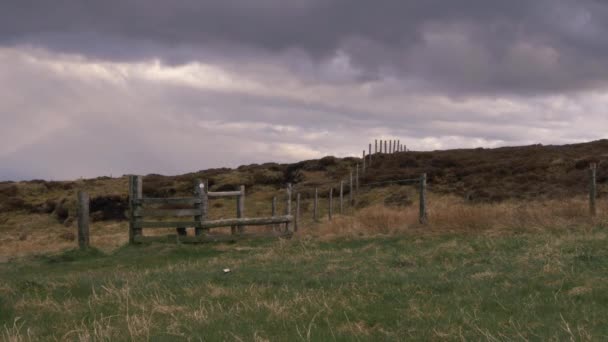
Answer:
(480, 175)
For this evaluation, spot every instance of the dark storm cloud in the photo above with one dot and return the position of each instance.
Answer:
(463, 47)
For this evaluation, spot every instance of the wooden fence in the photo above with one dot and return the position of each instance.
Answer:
(140, 212)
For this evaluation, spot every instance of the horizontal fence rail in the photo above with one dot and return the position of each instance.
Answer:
(173, 200)
(139, 216)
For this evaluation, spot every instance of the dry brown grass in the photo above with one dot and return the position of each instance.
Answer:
(27, 234)
(454, 214)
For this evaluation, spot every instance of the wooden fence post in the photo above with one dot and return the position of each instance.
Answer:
(135, 193)
(423, 214)
(315, 206)
(375, 145)
(274, 211)
(380, 150)
(370, 155)
(240, 207)
(357, 179)
(297, 218)
(198, 193)
(83, 220)
(350, 184)
(398, 145)
(288, 207)
(331, 202)
(341, 197)
(363, 159)
(592, 188)
(385, 146)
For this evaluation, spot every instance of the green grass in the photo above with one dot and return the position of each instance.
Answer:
(532, 286)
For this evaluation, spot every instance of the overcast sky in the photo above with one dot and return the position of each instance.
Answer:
(110, 87)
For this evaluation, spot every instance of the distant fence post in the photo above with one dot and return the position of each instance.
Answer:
(370, 155)
(341, 197)
(83, 220)
(357, 179)
(297, 217)
(288, 207)
(350, 184)
(363, 159)
(135, 194)
(375, 145)
(399, 145)
(331, 202)
(199, 189)
(592, 188)
(240, 207)
(385, 147)
(274, 211)
(423, 214)
(315, 206)
(380, 150)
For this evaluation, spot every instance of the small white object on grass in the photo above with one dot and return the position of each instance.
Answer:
(226, 270)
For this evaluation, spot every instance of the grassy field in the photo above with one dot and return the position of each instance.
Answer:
(535, 285)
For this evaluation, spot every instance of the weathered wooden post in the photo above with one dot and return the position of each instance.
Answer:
(315, 206)
(204, 204)
(240, 207)
(380, 146)
(341, 197)
(288, 207)
(350, 184)
(423, 214)
(370, 155)
(331, 202)
(297, 218)
(363, 159)
(135, 194)
(274, 211)
(357, 179)
(83, 220)
(592, 188)
(375, 145)
(399, 145)
(385, 146)
(199, 189)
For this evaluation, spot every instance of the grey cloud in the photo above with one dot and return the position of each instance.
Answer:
(460, 47)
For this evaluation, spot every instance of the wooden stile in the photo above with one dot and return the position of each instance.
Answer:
(83, 220)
